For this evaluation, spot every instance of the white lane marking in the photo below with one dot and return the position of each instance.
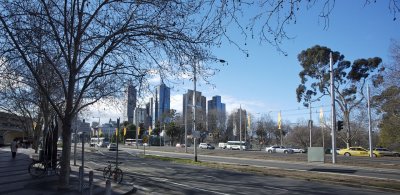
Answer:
(186, 186)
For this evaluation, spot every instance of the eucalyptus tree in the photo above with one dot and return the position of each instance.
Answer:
(388, 100)
(350, 80)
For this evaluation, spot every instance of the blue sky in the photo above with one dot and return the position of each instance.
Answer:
(265, 82)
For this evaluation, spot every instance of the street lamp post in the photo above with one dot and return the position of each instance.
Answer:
(75, 138)
(117, 137)
(369, 123)
(240, 127)
(194, 112)
(333, 112)
(185, 107)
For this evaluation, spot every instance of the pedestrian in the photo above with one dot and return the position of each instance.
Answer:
(14, 147)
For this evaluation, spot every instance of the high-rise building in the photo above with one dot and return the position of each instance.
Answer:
(161, 106)
(131, 103)
(216, 116)
(140, 116)
(239, 124)
(200, 111)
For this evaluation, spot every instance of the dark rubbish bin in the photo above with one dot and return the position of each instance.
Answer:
(41, 155)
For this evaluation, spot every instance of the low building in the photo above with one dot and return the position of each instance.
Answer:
(11, 126)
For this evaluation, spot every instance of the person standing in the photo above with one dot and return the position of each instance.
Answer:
(14, 148)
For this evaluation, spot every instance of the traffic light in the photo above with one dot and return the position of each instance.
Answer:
(339, 125)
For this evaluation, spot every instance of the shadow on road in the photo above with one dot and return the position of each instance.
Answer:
(333, 170)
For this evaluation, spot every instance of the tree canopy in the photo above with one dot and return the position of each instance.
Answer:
(350, 79)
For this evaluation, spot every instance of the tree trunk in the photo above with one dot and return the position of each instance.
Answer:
(348, 134)
(66, 153)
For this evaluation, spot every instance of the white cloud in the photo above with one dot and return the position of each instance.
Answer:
(177, 102)
(106, 110)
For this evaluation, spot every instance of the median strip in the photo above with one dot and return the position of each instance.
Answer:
(338, 178)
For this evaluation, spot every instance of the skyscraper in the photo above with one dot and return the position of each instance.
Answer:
(161, 104)
(131, 105)
(216, 116)
(200, 111)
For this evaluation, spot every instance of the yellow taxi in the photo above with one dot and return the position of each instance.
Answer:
(358, 151)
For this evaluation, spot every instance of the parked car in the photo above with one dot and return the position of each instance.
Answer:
(386, 152)
(358, 151)
(180, 145)
(206, 146)
(298, 150)
(279, 149)
(329, 150)
(103, 144)
(222, 145)
(112, 146)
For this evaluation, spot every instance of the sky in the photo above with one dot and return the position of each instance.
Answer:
(266, 81)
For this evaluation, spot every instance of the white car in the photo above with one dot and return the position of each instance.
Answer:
(112, 146)
(299, 150)
(206, 146)
(279, 149)
(222, 145)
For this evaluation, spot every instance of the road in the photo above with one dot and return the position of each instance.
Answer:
(159, 177)
(376, 173)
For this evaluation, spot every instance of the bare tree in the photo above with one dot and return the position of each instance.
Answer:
(92, 48)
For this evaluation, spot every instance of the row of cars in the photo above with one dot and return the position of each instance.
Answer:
(283, 149)
(351, 151)
(360, 151)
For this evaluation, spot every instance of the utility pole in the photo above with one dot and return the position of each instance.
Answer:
(137, 127)
(75, 138)
(369, 123)
(245, 127)
(333, 113)
(117, 136)
(310, 124)
(186, 113)
(240, 127)
(194, 112)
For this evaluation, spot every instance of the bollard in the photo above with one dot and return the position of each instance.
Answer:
(90, 182)
(80, 179)
(108, 187)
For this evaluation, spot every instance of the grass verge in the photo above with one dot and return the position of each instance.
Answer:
(348, 180)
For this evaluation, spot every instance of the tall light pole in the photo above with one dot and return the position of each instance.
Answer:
(194, 111)
(240, 127)
(369, 123)
(75, 138)
(333, 113)
(310, 124)
(186, 113)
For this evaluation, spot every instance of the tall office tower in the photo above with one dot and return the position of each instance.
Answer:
(148, 121)
(200, 111)
(216, 115)
(161, 104)
(239, 117)
(131, 103)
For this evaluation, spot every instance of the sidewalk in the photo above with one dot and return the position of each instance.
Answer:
(15, 179)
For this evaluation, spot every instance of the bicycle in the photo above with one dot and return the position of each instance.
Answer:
(115, 174)
(39, 168)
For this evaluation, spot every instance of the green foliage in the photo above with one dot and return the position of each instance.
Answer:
(174, 131)
(349, 79)
(389, 103)
(130, 131)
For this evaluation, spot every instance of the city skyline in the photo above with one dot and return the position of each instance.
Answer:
(265, 81)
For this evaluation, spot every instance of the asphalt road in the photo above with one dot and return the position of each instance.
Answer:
(376, 173)
(159, 177)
